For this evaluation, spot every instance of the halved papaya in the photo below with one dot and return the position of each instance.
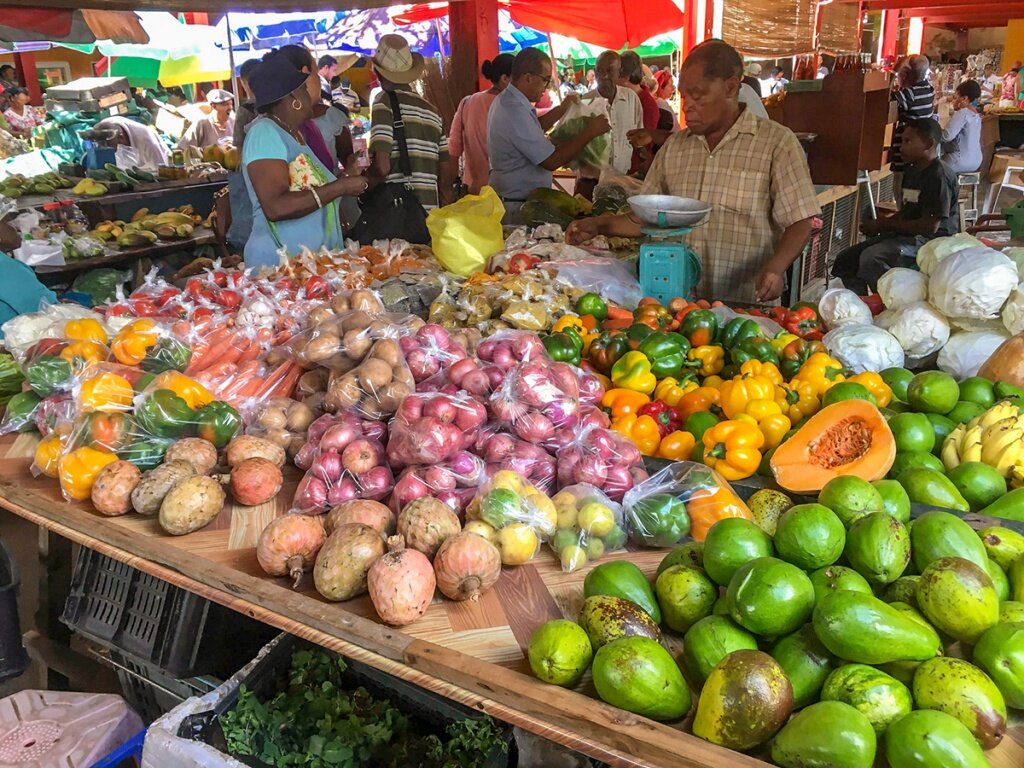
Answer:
(848, 438)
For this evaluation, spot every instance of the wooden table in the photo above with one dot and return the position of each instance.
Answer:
(470, 652)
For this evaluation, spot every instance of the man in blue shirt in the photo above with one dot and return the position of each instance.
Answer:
(522, 157)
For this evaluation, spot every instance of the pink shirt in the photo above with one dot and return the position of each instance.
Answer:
(468, 139)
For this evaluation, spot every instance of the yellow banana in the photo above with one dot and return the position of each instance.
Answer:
(951, 448)
(140, 214)
(1017, 476)
(994, 431)
(998, 412)
(1011, 457)
(993, 450)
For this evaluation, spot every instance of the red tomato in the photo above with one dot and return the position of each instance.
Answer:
(228, 298)
(143, 306)
(166, 295)
(318, 288)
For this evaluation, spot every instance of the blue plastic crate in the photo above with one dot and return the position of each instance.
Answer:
(667, 270)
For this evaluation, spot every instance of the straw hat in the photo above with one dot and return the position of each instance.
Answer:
(395, 61)
(753, 69)
(219, 96)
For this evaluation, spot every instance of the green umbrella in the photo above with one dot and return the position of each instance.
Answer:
(660, 45)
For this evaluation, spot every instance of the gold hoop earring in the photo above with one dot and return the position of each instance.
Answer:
(296, 105)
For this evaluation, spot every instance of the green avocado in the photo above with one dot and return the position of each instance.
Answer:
(880, 697)
(927, 738)
(958, 598)
(999, 580)
(903, 590)
(606, 618)
(829, 734)
(806, 662)
(836, 577)
(621, 578)
(809, 536)
(861, 628)
(730, 543)
(938, 534)
(690, 553)
(878, 548)
(709, 641)
(686, 596)
(1002, 545)
(895, 501)
(1008, 507)
(960, 689)
(1000, 653)
(638, 675)
(930, 486)
(770, 597)
(1011, 612)
(914, 460)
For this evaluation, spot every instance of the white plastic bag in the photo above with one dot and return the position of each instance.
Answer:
(40, 253)
(840, 306)
(965, 353)
(598, 152)
(864, 348)
(612, 278)
(901, 286)
(972, 283)
(919, 328)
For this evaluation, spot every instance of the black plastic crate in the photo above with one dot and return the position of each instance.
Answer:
(181, 633)
(429, 709)
(13, 659)
(148, 690)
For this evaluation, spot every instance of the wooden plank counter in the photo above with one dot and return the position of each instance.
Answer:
(470, 652)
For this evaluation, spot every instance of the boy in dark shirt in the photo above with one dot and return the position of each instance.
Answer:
(929, 210)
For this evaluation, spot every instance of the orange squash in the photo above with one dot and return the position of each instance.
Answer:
(848, 438)
(1006, 363)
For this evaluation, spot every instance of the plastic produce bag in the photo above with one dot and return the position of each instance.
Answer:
(481, 374)
(374, 388)
(432, 349)
(972, 283)
(532, 462)
(614, 279)
(22, 332)
(919, 328)
(454, 482)
(966, 352)
(430, 428)
(589, 524)
(769, 327)
(536, 398)
(840, 306)
(173, 405)
(20, 413)
(517, 515)
(52, 366)
(603, 458)
(901, 286)
(684, 499)
(597, 152)
(100, 284)
(340, 342)
(864, 347)
(465, 234)
(282, 421)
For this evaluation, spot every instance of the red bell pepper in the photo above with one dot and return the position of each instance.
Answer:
(804, 321)
(664, 416)
(520, 262)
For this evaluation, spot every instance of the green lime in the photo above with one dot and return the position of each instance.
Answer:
(942, 426)
(912, 432)
(898, 379)
(978, 483)
(978, 389)
(895, 501)
(847, 390)
(933, 392)
(914, 460)
(964, 411)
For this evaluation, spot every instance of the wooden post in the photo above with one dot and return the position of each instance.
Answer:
(25, 65)
(473, 31)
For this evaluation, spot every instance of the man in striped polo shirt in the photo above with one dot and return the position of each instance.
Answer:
(397, 68)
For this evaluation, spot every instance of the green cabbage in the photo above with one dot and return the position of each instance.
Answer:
(597, 151)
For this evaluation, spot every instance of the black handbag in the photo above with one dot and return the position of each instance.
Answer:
(392, 210)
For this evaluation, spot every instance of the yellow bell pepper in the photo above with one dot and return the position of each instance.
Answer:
(762, 409)
(741, 390)
(801, 399)
(768, 371)
(642, 430)
(588, 339)
(711, 358)
(131, 342)
(189, 390)
(781, 341)
(569, 321)
(78, 470)
(670, 391)
(732, 448)
(84, 351)
(106, 392)
(676, 446)
(715, 382)
(48, 455)
(822, 371)
(622, 402)
(633, 371)
(86, 329)
(874, 384)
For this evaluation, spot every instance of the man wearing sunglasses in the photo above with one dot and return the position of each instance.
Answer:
(522, 157)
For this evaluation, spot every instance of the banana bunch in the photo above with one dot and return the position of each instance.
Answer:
(996, 438)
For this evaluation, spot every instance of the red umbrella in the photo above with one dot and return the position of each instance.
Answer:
(613, 24)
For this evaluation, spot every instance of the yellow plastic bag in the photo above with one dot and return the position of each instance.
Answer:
(465, 234)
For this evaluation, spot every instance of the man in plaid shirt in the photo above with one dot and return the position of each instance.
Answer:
(753, 173)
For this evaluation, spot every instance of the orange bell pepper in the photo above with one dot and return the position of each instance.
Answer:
(732, 448)
(621, 402)
(189, 390)
(642, 430)
(707, 506)
(700, 399)
(131, 342)
(676, 446)
(106, 392)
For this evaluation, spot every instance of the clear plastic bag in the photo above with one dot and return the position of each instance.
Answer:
(430, 350)
(52, 366)
(340, 342)
(336, 431)
(683, 500)
(172, 405)
(282, 421)
(23, 332)
(514, 514)
(536, 398)
(453, 482)
(19, 415)
(589, 524)
(602, 458)
(430, 428)
(375, 387)
(502, 451)
(482, 373)
(614, 279)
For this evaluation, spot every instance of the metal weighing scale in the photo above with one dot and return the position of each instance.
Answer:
(668, 267)
(100, 147)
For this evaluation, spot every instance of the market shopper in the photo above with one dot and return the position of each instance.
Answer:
(631, 77)
(246, 111)
(468, 139)
(301, 59)
(1011, 86)
(989, 81)
(752, 172)
(915, 99)
(20, 115)
(929, 210)
(294, 195)
(665, 91)
(751, 77)
(522, 158)
(961, 138)
(20, 289)
(778, 81)
(327, 68)
(217, 127)
(8, 77)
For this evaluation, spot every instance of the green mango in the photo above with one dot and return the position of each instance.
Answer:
(878, 548)
(938, 534)
(880, 697)
(903, 590)
(958, 598)
(1008, 507)
(621, 578)
(895, 501)
(709, 641)
(770, 597)
(730, 543)
(638, 675)
(747, 698)
(606, 618)
(960, 689)
(1000, 654)
(686, 596)
(1011, 612)
(836, 577)
(927, 738)
(809, 536)
(1002, 545)
(930, 486)
(999, 580)
(861, 628)
(806, 662)
(829, 734)
(690, 553)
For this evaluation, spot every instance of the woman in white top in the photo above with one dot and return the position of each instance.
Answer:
(961, 138)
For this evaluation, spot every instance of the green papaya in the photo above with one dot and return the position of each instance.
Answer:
(606, 618)
(638, 675)
(999, 580)
(730, 543)
(938, 534)
(709, 641)
(770, 597)
(926, 738)
(807, 663)
(878, 548)
(686, 596)
(1003, 545)
(829, 734)
(958, 598)
(861, 628)
(1000, 654)
(1008, 507)
(881, 698)
(746, 699)
(621, 578)
(836, 577)
(903, 590)
(960, 689)
(930, 486)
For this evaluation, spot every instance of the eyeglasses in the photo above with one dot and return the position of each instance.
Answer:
(546, 79)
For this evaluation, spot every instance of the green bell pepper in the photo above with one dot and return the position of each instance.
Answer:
(574, 335)
(48, 375)
(700, 422)
(145, 452)
(218, 422)
(168, 354)
(659, 520)
(739, 329)
(638, 332)
(606, 349)
(164, 414)
(21, 410)
(700, 327)
(592, 304)
(665, 353)
(561, 347)
(753, 349)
